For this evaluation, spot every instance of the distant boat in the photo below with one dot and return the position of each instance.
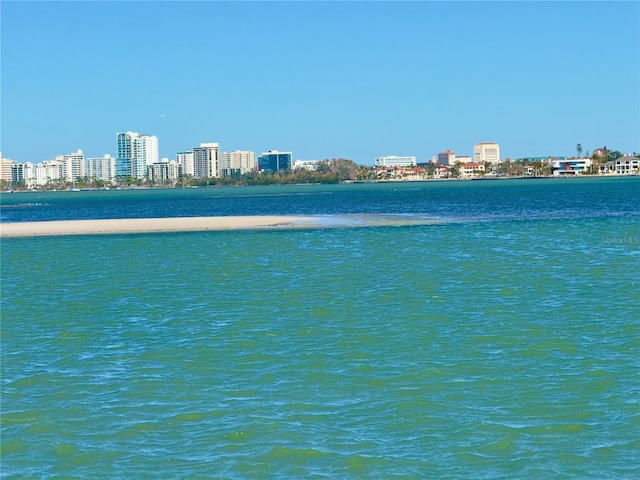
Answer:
(75, 189)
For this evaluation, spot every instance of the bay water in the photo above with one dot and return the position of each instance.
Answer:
(500, 342)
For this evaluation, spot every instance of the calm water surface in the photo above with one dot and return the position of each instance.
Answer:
(502, 344)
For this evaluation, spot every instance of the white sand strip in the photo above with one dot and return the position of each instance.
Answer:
(143, 225)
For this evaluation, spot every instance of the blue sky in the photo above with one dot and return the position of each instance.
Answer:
(321, 79)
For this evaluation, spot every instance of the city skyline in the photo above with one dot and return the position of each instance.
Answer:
(354, 80)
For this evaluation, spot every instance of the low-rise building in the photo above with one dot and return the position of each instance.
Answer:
(395, 161)
(310, 165)
(471, 169)
(441, 171)
(627, 165)
(570, 166)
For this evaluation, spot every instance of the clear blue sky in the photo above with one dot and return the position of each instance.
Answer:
(321, 79)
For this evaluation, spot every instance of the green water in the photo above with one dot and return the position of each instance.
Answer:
(501, 349)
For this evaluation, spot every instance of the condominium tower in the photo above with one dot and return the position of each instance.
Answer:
(73, 165)
(102, 168)
(205, 160)
(237, 162)
(135, 153)
(185, 162)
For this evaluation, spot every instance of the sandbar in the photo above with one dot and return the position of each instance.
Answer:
(152, 225)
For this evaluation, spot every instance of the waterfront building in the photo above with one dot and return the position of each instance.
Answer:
(273, 160)
(441, 171)
(124, 153)
(627, 165)
(205, 160)
(163, 172)
(486, 152)
(572, 166)
(7, 166)
(310, 165)
(237, 162)
(447, 157)
(185, 163)
(145, 153)
(135, 153)
(47, 172)
(101, 168)
(395, 161)
(21, 173)
(607, 168)
(73, 165)
(471, 169)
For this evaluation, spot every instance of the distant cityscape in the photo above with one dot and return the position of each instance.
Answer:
(137, 163)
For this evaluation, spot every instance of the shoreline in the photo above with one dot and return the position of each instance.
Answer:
(175, 187)
(152, 225)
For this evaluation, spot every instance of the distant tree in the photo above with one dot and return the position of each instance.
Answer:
(579, 149)
(613, 155)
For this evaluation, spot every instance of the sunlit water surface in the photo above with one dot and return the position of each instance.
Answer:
(502, 343)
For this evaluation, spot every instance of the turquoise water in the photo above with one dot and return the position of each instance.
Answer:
(501, 348)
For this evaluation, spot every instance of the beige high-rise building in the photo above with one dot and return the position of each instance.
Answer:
(486, 152)
(237, 162)
(6, 169)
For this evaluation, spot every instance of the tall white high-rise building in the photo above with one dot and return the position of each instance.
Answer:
(102, 168)
(486, 152)
(185, 162)
(135, 153)
(73, 165)
(205, 160)
(237, 162)
(145, 153)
